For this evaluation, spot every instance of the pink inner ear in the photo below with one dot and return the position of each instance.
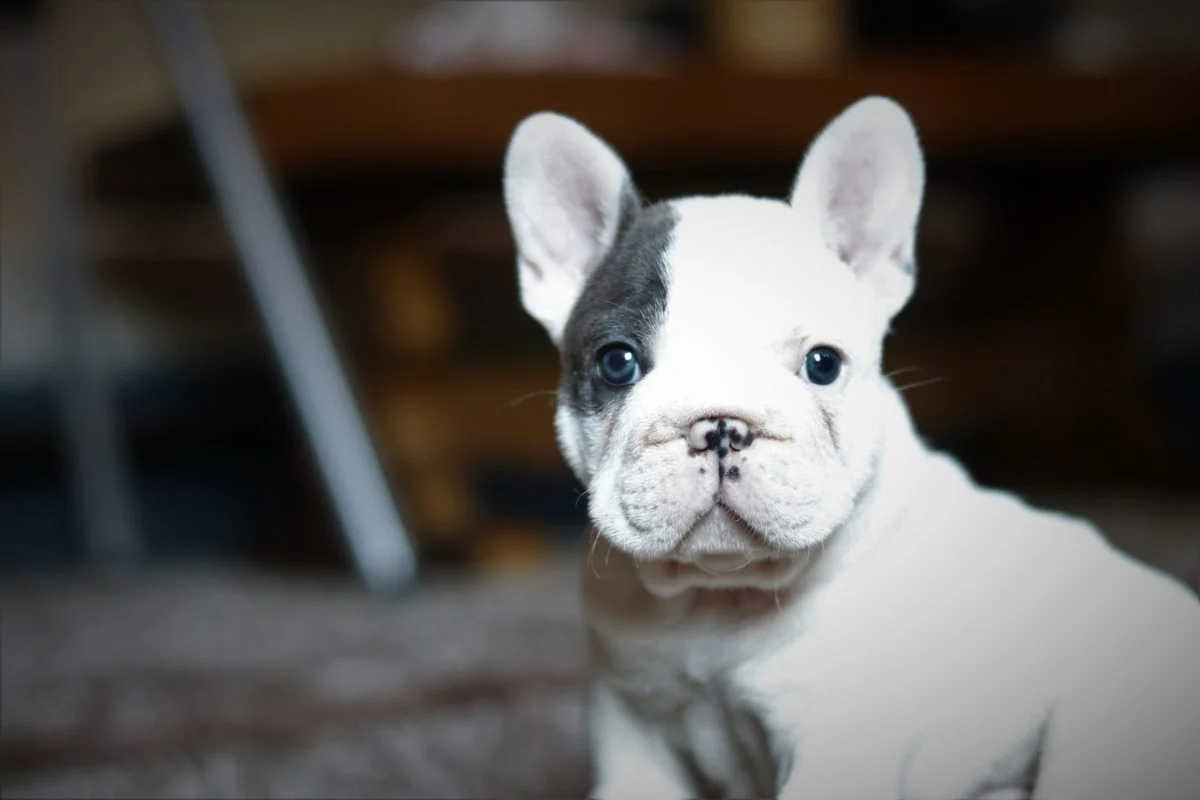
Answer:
(582, 209)
(563, 190)
(851, 204)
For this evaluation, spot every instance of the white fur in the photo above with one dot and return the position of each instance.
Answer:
(562, 189)
(899, 631)
(741, 314)
(861, 183)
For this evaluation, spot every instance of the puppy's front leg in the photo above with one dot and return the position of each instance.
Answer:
(845, 773)
(844, 767)
(632, 759)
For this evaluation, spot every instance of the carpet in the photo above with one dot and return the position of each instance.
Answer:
(232, 684)
(239, 684)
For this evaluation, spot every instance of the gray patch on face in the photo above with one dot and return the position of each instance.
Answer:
(623, 302)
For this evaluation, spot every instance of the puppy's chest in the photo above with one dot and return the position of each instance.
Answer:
(691, 690)
(719, 735)
(697, 653)
(868, 677)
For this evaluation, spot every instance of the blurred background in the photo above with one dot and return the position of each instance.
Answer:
(227, 646)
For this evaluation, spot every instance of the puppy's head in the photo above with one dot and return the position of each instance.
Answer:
(722, 396)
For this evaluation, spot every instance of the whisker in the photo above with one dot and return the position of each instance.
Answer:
(579, 495)
(592, 554)
(530, 396)
(919, 384)
(901, 371)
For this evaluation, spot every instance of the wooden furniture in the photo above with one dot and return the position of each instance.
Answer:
(1038, 357)
(701, 115)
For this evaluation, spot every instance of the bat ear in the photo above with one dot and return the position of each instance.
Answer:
(861, 185)
(566, 193)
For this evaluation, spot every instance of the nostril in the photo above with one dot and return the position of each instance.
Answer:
(698, 434)
(740, 436)
(719, 433)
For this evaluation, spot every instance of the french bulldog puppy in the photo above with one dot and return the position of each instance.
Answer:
(788, 594)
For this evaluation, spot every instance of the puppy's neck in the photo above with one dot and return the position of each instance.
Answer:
(903, 466)
(615, 592)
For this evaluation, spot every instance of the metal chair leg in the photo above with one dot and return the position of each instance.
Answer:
(306, 353)
(90, 426)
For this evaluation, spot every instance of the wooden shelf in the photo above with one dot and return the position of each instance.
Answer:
(383, 117)
(463, 416)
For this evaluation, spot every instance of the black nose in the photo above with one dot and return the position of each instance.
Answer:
(721, 434)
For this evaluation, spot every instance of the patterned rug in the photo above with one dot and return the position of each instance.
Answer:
(232, 684)
(245, 685)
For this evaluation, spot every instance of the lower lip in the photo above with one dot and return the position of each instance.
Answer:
(752, 538)
(722, 562)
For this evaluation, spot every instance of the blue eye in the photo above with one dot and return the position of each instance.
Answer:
(822, 365)
(618, 365)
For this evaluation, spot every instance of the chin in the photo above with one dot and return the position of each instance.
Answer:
(766, 573)
(721, 551)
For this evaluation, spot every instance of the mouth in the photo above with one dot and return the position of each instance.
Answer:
(722, 550)
(717, 564)
(766, 573)
(722, 540)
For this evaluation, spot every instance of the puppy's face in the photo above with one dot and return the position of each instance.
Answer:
(721, 394)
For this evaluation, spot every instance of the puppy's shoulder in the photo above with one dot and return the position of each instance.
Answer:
(959, 507)
(1049, 530)
(1086, 570)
